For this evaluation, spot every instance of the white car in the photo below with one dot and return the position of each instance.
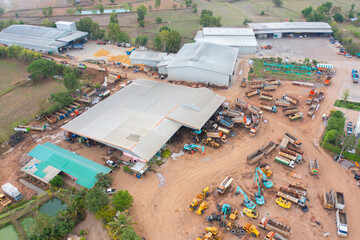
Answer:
(348, 55)
(111, 163)
(110, 191)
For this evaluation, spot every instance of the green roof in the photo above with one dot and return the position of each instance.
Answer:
(68, 162)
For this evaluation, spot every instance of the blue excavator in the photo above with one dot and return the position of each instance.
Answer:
(258, 197)
(247, 202)
(191, 148)
(267, 183)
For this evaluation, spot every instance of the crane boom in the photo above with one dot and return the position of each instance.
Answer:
(267, 183)
(247, 202)
(258, 197)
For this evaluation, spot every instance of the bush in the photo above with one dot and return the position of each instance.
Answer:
(122, 200)
(166, 153)
(127, 169)
(142, 23)
(158, 20)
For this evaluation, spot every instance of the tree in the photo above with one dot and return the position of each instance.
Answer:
(114, 18)
(157, 43)
(150, 8)
(338, 17)
(141, 40)
(1, 11)
(95, 199)
(157, 3)
(164, 28)
(173, 41)
(43, 227)
(346, 94)
(262, 13)
(208, 20)
(119, 224)
(349, 142)
(112, 1)
(104, 180)
(278, 3)
(47, 23)
(188, 3)
(70, 11)
(106, 214)
(194, 6)
(331, 136)
(350, 15)
(352, 7)
(307, 11)
(246, 21)
(158, 20)
(142, 23)
(78, 8)
(50, 11)
(42, 68)
(357, 149)
(56, 181)
(16, 15)
(44, 12)
(114, 31)
(328, 6)
(122, 200)
(61, 99)
(141, 12)
(71, 81)
(101, 8)
(129, 234)
(123, 37)
(87, 25)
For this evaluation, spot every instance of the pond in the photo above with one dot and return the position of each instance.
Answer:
(8, 233)
(52, 207)
(118, 10)
(26, 223)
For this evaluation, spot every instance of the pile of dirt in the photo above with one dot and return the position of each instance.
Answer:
(124, 59)
(97, 77)
(101, 53)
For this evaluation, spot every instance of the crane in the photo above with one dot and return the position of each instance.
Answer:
(258, 197)
(247, 202)
(267, 183)
(191, 148)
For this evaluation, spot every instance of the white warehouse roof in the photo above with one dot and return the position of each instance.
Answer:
(147, 56)
(207, 56)
(144, 115)
(290, 27)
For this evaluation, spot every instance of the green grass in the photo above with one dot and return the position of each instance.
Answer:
(11, 72)
(348, 105)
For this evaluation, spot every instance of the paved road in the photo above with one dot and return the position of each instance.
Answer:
(32, 186)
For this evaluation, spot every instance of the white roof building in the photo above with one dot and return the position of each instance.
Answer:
(143, 116)
(148, 58)
(241, 38)
(203, 62)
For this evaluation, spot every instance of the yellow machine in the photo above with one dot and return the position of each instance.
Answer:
(202, 208)
(233, 216)
(211, 142)
(283, 203)
(252, 230)
(4, 200)
(204, 193)
(216, 234)
(195, 204)
(266, 169)
(252, 213)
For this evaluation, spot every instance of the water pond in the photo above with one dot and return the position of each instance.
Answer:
(8, 233)
(52, 207)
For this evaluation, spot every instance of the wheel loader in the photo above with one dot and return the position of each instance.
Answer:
(283, 203)
(232, 218)
(202, 208)
(216, 234)
(252, 230)
(265, 168)
(205, 193)
(195, 204)
(252, 213)
(211, 142)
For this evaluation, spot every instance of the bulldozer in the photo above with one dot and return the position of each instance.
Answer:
(204, 193)
(199, 199)
(216, 234)
(266, 169)
(195, 204)
(232, 218)
(283, 203)
(202, 208)
(252, 213)
(252, 230)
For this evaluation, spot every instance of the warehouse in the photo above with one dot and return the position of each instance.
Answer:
(290, 29)
(241, 38)
(49, 160)
(140, 118)
(203, 62)
(42, 39)
(151, 59)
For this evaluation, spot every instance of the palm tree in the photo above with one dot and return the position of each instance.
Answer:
(121, 221)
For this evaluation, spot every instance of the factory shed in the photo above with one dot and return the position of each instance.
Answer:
(242, 39)
(140, 118)
(151, 59)
(203, 62)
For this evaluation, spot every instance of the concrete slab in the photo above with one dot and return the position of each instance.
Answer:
(32, 186)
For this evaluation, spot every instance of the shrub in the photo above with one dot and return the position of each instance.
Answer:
(127, 169)
(158, 20)
(56, 181)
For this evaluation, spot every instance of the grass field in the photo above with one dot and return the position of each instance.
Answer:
(20, 103)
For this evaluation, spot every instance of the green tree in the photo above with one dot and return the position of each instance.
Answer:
(350, 15)
(95, 199)
(104, 180)
(119, 224)
(346, 94)
(122, 200)
(106, 214)
(158, 20)
(141, 12)
(164, 28)
(71, 81)
(61, 99)
(246, 21)
(336, 10)
(141, 40)
(157, 43)
(357, 149)
(208, 20)
(43, 227)
(331, 136)
(50, 11)
(101, 8)
(278, 3)
(78, 8)
(142, 23)
(70, 11)
(114, 18)
(352, 7)
(87, 25)
(114, 31)
(194, 6)
(349, 142)
(112, 1)
(16, 15)
(47, 23)
(56, 181)
(129, 234)
(1, 11)
(188, 3)
(338, 17)
(123, 37)
(307, 11)
(157, 3)
(44, 12)
(42, 68)
(150, 8)
(173, 41)
(328, 6)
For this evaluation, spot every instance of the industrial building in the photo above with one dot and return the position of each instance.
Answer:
(141, 118)
(42, 39)
(49, 160)
(203, 62)
(289, 29)
(148, 58)
(241, 38)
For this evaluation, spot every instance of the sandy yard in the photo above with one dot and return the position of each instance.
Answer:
(162, 210)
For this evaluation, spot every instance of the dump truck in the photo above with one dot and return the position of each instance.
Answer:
(271, 224)
(226, 122)
(102, 69)
(252, 93)
(231, 113)
(287, 155)
(311, 96)
(255, 110)
(224, 185)
(321, 96)
(12, 191)
(289, 110)
(253, 129)
(244, 121)
(311, 110)
(293, 153)
(339, 200)
(268, 107)
(217, 134)
(274, 236)
(255, 157)
(298, 189)
(328, 199)
(243, 83)
(268, 148)
(4, 200)
(286, 162)
(341, 224)
(314, 167)
(291, 99)
(293, 140)
(267, 97)
(273, 81)
(293, 148)
(292, 196)
(241, 103)
(296, 116)
(255, 85)
(282, 103)
(270, 87)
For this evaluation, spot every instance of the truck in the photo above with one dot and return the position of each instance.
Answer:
(296, 116)
(241, 103)
(298, 188)
(252, 93)
(224, 185)
(255, 156)
(286, 162)
(243, 83)
(311, 96)
(328, 199)
(341, 224)
(82, 66)
(253, 129)
(289, 110)
(242, 120)
(226, 122)
(273, 81)
(355, 75)
(266, 97)
(102, 69)
(282, 103)
(312, 110)
(292, 196)
(269, 87)
(293, 140)
(268, 107)
(271, 224)
(321, 96)
(297, 156)
(284, 143)
(255, 85)
(274, 236)
(4, 200)
(255, 110)
(231, 112)
(12, 191)
(287, 155)
(268, 148)
(291, 99)
(314, 167)
(339, 201)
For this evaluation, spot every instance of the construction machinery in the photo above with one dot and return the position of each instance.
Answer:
(339, 201)
(4, 200)
(268, 148)
(296, 116)
(271, 224)
(267, 97)
(216, 234)
(191, 148)
(341, 223)
(274, 236)
(230, 224)
(198, 201)
(204, 193)
(252, 230)
(252, 213)
(328, 199)
(265, 168)
(286, 162)
(283, 203)
(224, 185)
(258, 197)
(267, 47)
(195, 204)
(293, 140)
(267, 183)
(82, 66)
(292, 196)
(247, 202)
(202, 208)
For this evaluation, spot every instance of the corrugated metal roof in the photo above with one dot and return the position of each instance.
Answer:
(228, 31)
(144, 115)
(321, 27)
(147, 56)
(71, 163)
(208, 56)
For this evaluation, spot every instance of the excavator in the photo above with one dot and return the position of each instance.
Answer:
(267, 183)
(191, 148)
(265, 168)
(252, 230)
(258, 197)
(247, 202)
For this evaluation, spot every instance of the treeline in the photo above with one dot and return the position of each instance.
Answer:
(18, 53)
(8, 22)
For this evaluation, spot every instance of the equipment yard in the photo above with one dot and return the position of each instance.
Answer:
(162, 197)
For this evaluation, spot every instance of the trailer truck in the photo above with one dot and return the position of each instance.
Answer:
(293, 140)
(241, 103)
(271, 224)
(12, 191)
(268, 107)
(255, 157)
(267, 97)
(252, 93)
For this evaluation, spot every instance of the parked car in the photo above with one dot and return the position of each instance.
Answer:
(348, 55)
(357, 176)
(110, 191)
(111, 163)
(349, 128)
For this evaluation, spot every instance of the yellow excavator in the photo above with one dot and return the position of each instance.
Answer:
(283, 203)
(252, 230)
(265, 168)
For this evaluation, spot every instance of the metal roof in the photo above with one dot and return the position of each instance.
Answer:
(208, 56)
(83, 169)
(147, 56)
(235, 40)
(228, 31)
(45, 175)
(144, 115)
(284, 27)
